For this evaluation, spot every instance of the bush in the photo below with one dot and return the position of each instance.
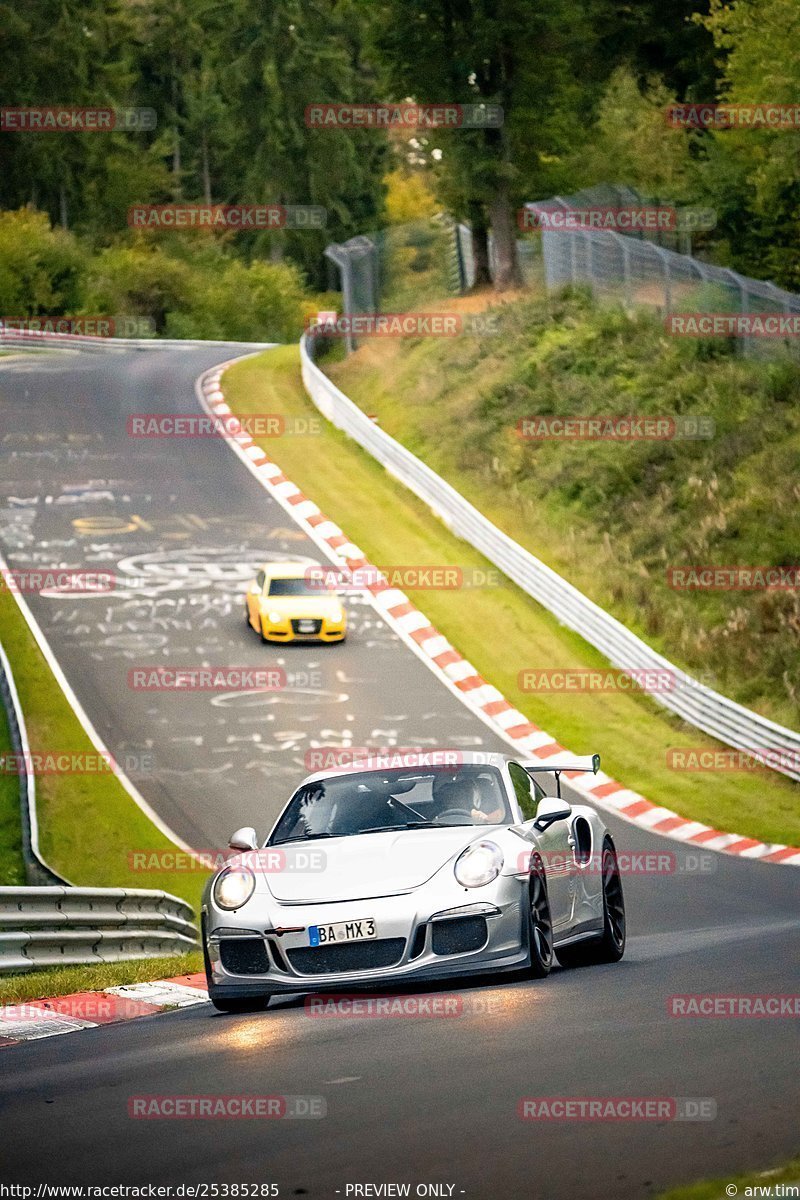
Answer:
(187, 287)
(137, 282)
(41, 269)
(259, 303)
(200, 294)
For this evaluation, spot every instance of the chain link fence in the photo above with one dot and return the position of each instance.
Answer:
(403, 266)
(656, 269)
(696, 298)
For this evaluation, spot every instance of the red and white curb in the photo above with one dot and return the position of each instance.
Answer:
(30, 1020)
(456, 672)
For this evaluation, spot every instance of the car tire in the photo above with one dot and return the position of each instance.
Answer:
(609, 947)
(540, 922)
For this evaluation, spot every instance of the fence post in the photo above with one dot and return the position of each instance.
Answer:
(626, 268)
(342, 261)
(744, 300)
(664, 256)
(344, 255)
(460, 267)
(783, 298)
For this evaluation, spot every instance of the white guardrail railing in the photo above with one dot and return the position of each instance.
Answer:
(66, 926)
(45, 339)
(693, 701)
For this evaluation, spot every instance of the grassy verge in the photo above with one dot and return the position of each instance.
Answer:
(715, 1189)
(88, 824)
(615, 516)
(500, 629)
(12, 866)
(65, 981)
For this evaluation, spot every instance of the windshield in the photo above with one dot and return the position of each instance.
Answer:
(374, 801)
(295, 587)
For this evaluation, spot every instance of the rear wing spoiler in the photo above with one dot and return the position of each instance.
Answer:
(579, 762)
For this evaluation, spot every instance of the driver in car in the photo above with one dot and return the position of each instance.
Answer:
(465, 794)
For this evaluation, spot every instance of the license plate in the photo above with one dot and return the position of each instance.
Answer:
(305, 626)
(342, 931)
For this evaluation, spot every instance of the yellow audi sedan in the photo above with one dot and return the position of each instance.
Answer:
(291, 602)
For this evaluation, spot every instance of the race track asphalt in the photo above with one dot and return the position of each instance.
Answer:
(419, 1100)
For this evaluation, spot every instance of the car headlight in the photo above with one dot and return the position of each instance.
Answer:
(233, 887)
(337, 616)
(275, 618)
(479, 864)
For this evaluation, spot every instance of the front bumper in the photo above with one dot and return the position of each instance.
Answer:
(328, 632)
(397, 918)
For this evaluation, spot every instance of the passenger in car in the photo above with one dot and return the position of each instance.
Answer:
(465, 794)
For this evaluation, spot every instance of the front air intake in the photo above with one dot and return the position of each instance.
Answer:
(244, 956)
(459, 936)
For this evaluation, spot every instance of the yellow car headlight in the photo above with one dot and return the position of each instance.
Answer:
(274, 618)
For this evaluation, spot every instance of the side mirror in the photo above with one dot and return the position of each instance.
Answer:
(244, 839)
(551, 808)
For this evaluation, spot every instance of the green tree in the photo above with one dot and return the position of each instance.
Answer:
(633, 143)
(754, 174)
(521, 56)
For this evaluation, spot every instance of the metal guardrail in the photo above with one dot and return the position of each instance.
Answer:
(67, 926)
(56, 924)
(37, 870)
(695, 702)
(32, 339)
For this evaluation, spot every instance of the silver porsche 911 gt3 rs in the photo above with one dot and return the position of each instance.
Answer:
(420, 869)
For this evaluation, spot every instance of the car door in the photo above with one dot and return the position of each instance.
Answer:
(254, 600)
(554, 844)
